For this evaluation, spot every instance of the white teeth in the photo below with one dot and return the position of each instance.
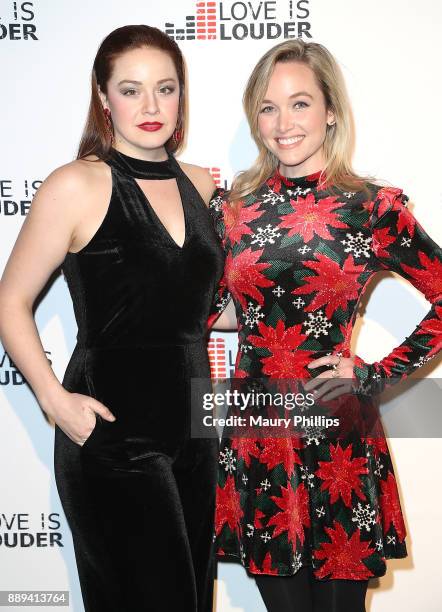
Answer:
(289, 141)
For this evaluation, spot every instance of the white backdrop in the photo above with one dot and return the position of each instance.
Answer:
(390, 53)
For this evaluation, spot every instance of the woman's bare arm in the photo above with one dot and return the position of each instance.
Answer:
(46, 235)
(227, 321)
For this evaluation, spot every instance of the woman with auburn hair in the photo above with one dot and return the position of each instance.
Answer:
(130, 227)
(313, 517)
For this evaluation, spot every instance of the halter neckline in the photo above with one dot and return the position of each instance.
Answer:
(141, 168)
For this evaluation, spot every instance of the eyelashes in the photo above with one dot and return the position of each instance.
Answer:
(166, 90)
(297, 106)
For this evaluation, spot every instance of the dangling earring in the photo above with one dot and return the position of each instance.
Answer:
(109, 126)
(177, 136)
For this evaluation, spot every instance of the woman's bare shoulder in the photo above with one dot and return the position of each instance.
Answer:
(73, 184)
(81, 171)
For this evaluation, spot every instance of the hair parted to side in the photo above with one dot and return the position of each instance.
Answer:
(96, 139)
(339, 139)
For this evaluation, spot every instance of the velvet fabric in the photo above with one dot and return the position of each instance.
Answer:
(139, 494)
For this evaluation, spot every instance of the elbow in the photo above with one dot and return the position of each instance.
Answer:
(10, 305)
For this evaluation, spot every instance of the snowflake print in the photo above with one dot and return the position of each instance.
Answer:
(296, 564)
(298, 303)
(298, 294)
(252, 315)
(307, 476)
(228, 460)
(298, 191)
(265, 537)
(271, 197)
(379, 467)
(264, 235)
(317, 324)
(313, 433)
(422, 359)
(357, 244)
(244, 348)
(278, 291)
(364, 516)
(265, 484)
(216, 203)
(221, 305)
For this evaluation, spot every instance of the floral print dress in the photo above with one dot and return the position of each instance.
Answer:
(299, 255)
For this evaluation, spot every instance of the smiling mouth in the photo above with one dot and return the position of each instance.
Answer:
(289, 141)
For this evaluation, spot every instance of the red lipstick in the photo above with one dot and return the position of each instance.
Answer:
(150, 126)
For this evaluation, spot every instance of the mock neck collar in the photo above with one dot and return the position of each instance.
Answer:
(310, 180)
(141, 168)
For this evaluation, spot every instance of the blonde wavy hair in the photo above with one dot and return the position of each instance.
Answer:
(339, 140)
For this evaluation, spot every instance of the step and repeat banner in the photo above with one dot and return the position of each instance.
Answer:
(390, 53)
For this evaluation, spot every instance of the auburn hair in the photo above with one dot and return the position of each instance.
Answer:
(96, 139)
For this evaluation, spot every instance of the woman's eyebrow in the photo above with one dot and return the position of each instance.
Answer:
(295, 95)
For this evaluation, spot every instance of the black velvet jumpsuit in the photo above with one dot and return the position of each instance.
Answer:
(139, 494)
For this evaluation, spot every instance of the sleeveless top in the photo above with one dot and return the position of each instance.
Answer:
(132, 284)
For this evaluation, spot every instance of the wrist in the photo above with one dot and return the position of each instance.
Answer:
(51, 400)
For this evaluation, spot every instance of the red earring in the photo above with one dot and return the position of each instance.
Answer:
(109, 125)
(177, 136)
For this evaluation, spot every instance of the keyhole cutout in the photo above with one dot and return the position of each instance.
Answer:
(164, 199)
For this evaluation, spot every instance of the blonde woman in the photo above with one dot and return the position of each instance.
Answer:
(314, 520)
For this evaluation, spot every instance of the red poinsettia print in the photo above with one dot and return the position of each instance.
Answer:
(246, 448)
(228, 506)
(334, 285)
(311, 217)
(296, 301)
(236, 223)
(386, 197)
(257, 520)
(391, 508)
(244, 276)
(433, 327)
(381, 240)
(397, 355)
(343, 555)
(428, 278)
(341, 475)
(377, 444)
(278, 338)
(266, 566)
(294, 515)
(284, 363)
(280, 451)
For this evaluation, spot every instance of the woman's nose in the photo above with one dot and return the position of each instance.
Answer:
(150, 105)
(285, 121)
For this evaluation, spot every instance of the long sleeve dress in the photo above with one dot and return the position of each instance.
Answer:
(299, 255)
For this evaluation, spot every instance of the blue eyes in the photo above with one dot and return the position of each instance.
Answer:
(297, 106)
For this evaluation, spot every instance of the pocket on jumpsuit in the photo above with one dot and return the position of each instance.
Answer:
(92, 435)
